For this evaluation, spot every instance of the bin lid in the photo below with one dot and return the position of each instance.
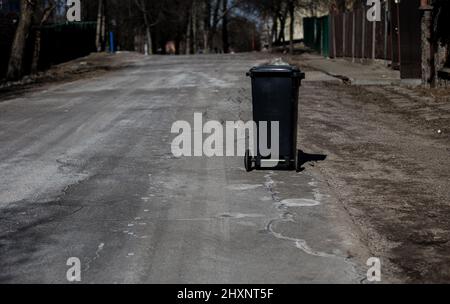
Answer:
(274, 70)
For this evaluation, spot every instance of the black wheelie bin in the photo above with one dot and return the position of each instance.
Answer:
(275, 92)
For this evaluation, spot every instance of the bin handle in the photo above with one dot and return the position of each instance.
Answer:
(299, 75)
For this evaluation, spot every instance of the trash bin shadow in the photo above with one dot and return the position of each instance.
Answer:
(305, 158)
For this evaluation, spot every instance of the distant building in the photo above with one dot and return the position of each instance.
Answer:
(316, 11)
(282, 35)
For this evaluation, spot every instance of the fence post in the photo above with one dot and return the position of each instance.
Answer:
(321, 36)
(385, 32)
(353, 35)
(344, 36)
(333, 26)
(374, 39)
(363, 50)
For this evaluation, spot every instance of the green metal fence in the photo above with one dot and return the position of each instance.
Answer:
(316, 34)
(59, 43)
(66, 41)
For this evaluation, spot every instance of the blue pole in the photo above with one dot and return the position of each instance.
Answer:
(112, 47)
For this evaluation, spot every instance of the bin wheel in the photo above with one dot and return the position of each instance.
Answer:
(258, 162)
(298, 159)
(248, 161)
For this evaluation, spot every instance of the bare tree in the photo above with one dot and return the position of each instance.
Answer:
(100, 17)
(206, 24)
(141, 4)
(194, 25)
(215, 22)
(152, 15)
(221, 14)
(189, 33)
(51, 5)
(291, 8)
(27, 11)
(225, 40)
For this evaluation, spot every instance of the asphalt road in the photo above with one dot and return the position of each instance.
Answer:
(86, 171)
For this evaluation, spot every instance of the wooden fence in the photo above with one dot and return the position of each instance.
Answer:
(354, 36)
(396, 38)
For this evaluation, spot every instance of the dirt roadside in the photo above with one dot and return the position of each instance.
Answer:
(93, 65)
(388, 156)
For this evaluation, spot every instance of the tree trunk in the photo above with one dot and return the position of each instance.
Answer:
(98, 40)
(283, 18)
(225, 41)
(37, 39)
(27, 10)
(36, 52)
(188, 35)
(213, 31)
(206, 25)
(273, 33)
(194, 27)
(103, 29)
(283, 26)
(291, 26)
(148, 34)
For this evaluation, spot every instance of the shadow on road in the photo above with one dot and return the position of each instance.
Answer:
(305, 158)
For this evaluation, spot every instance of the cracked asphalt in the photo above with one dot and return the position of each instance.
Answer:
(86, 171)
